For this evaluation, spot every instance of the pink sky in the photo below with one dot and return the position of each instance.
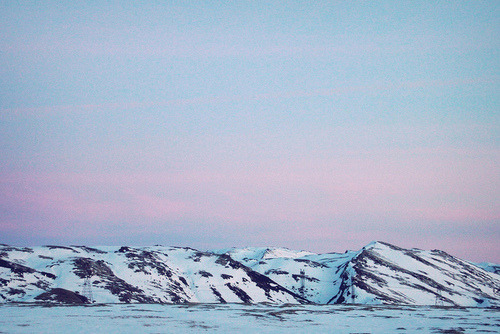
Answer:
(319, 126)
(322, 205)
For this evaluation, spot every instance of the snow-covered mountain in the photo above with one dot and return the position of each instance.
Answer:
(488, 266)
(379, 273)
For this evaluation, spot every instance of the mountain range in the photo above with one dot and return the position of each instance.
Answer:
(379, 273)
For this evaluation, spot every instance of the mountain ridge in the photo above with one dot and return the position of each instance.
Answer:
(379, 273)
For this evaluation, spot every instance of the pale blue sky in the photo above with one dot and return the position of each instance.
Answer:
(320, 125)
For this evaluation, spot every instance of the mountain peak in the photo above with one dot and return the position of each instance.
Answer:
(379, 244)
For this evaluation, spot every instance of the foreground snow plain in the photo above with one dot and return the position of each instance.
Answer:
(244, 318)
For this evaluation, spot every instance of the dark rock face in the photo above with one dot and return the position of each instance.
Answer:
(226, 260)
(127, 293)
(86, 267)
(344, 293)
(62, 247)
(204, 273)
(245, 298)
(268, 285)
(16, 268)
(312, 264)
(145, 261)
(218, 295)
(64, 296)
(90, 249)
(276, 272)
(20, 269)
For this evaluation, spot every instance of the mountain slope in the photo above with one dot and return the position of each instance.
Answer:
(379, 273)
(383, 273)
(127, 274)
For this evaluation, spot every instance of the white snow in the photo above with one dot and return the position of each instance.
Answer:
(239, 318)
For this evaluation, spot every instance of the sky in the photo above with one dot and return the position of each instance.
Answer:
(309, 125)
